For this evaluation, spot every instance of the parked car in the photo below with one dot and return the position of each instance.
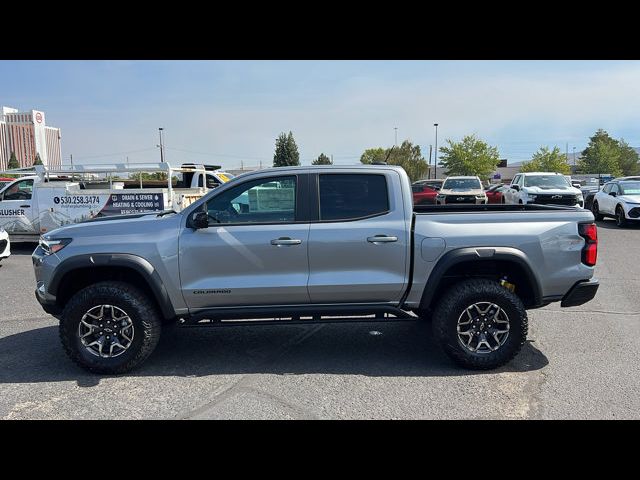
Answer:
(543, 188)
(461, 189)
(433, 183)
(619, 199)
(364, 249)
(495, 193)
(423, 194)
(5, 244)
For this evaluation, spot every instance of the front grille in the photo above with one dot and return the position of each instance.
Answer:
(633, 213)
(460, 199)
(556, 200)
(3, 245)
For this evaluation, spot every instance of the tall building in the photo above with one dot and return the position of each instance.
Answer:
(26, 134)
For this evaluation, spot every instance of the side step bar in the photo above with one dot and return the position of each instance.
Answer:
(302, 315)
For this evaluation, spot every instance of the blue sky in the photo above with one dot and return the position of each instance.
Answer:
(227, 111)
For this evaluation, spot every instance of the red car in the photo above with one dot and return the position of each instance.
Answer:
(423, 194)
(494, 193)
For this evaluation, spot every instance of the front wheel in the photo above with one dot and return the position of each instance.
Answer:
(621, 220)
(480, 324)
(109, 327)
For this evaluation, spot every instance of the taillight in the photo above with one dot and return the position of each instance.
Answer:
(589, 232)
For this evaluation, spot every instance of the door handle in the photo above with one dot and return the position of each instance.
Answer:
(381, 239)
(285, 241)
(25, 206)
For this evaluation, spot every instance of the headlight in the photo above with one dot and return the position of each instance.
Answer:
(532, 197)
(53, 245)
(481, 197)
(579, 198)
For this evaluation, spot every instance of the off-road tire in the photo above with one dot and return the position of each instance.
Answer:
(595, 209)
(460, 296)
(140, 309)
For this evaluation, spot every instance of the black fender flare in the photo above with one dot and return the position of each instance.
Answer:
(461, 255)
(126, 260)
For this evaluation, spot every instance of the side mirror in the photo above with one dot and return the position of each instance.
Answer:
(613, 194)
(200, 220)
(516, 187)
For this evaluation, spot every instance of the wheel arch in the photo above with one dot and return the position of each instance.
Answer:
(484, 262)
(80, 271)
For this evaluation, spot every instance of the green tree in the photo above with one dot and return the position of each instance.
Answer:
(322, 160)
(471, 156)
(156, 176)
(372, 155)
(602, 155)
(286, 153)
(407, 156)
(629, 160)
(13, 161)
(545, 160)
(38, 160)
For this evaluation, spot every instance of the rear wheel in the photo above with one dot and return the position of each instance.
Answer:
(480, 324)
(109, 327)
(595, 209)
(621, 220)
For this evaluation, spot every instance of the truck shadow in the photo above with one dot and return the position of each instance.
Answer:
(23, 248)
(610, 223)
(369, 349)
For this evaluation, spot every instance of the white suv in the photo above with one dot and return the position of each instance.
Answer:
(619, 199)
(544, 188)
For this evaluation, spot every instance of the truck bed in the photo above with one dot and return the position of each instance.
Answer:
(491, 208)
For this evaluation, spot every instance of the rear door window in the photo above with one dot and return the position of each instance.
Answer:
(352, 196)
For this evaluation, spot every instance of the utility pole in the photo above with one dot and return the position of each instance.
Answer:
(567, 152)
(161, 145)
(396, 129)
(435, 154)
(71, 159)
(574, 156)
(429, 169)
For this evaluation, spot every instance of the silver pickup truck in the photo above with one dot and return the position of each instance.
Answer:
(314, 244)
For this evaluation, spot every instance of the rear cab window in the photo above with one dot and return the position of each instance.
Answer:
(352, 196)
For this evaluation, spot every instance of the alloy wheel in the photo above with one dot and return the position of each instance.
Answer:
(106, 331)
(483, 327)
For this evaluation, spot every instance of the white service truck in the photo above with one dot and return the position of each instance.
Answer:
(44, 200)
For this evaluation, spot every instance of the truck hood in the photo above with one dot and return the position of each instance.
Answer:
(112, 225)
(458, 191)
(552, 191)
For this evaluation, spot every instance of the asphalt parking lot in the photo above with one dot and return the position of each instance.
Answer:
(581, 362)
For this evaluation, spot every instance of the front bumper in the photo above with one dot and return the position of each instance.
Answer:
(631, 211)
(48, 303)
(460, 200)
(580, 293)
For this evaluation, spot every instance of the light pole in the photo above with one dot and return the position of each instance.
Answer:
(574, 156)
(161, 145)
(396, 129)
(435, 154)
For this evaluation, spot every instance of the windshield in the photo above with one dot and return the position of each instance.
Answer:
(630, 188)
(546, 181)
(461, 184)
